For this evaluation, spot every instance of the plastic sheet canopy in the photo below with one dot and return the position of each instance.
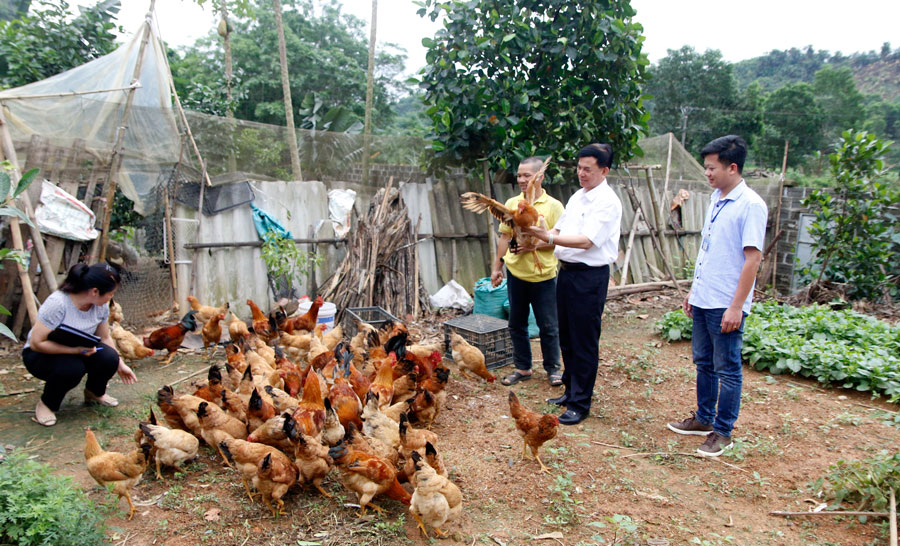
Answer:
(151, 134)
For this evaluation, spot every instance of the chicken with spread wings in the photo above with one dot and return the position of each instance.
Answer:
(523, 216)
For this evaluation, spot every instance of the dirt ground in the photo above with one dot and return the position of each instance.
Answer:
(618, 478)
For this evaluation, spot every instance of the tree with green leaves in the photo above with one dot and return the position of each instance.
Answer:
(327, 55)
(841, 103)
(854, 233)
(694, 94)
(526, 77)
(791, 114)
(50, 40)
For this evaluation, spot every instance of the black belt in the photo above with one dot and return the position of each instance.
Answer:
(578, 266)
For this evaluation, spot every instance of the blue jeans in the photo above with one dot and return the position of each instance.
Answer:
(542, 297)
(719, 374)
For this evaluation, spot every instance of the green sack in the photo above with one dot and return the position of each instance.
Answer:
(489, 300)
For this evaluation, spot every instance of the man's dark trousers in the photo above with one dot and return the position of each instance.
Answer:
(580, 298)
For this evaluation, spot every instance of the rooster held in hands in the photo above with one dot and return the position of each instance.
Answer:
(523, 216)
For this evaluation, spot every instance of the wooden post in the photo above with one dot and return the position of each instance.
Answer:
(9, 152)
(119, 147)
(893, 522)
(416, 268)
(170, 245)
(668, 168)
(657, 215)
(492, 235)
(637, 216)
(195, 258)
(636, 204)
(778, 211)
(313, 251)
(370, 94)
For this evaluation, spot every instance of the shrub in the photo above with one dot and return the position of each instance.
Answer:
(38, 507)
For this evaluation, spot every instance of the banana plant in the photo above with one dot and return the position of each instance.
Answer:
(8, 208)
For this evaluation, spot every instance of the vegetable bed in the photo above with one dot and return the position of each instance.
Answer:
(842, 348)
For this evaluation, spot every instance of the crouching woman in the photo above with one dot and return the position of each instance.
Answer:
(82, 302)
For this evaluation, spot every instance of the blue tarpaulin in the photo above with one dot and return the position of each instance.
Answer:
(265, 223)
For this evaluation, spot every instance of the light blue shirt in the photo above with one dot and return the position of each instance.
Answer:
(732, 223)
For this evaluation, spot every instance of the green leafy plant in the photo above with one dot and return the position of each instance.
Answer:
(861, 485)
(675, 326)
(853, 231)
(7, 208)
(836, 347)
(284, 259)
(38, 507)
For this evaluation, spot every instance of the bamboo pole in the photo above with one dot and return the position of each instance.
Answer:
(636, 204)
(624, 279)
(492, 235)
(195, 258)
(119, 147)
(229, 113)
(9, 152)
(668, 167)
(778, 210)
(133, 86)
(658, 218)
(370, 94)
(416, 270)
(170, 246)
(893, 522)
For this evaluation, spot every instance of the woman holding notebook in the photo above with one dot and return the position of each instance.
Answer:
(71, 339)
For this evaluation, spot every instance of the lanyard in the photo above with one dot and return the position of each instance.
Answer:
(716, 215)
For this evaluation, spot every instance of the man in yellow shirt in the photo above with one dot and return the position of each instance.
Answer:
(526, 285)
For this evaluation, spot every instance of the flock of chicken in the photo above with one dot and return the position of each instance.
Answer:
(295, 402)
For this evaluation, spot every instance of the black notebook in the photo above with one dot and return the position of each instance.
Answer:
(73, 337)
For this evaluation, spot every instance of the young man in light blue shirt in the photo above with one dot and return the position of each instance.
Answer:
(722, 292)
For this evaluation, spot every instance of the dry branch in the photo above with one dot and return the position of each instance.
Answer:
(379, 268)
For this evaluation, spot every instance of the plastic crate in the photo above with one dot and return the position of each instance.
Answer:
(488, 333)
(376, 316)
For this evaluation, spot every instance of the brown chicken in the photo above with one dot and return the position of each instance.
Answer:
(432, 457)
(332, 430)
(281, 400)
(216, 425)
(130, 346)
(422, 408)
(212, 331)
(170, 337)
(275, 432)
(312, 460)
(469, 358)
(238, 330)
(436, 499)
(212, 391)
(180, 411)
(345, 402)
(246, 456)
(534, 428)
(306, 321)
(367, 475)
(120, 470)
(170, 447)
(234, 405)
(332, 338)
(523, 216)
(261, 324)
(275, 474)
(115, 312)
(383, 385)
(258, 411)
(310, 413)
(206, 312)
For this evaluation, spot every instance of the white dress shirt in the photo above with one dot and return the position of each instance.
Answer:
(596, 214)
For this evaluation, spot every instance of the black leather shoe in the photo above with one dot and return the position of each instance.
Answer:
(571, 417)
(558, 401)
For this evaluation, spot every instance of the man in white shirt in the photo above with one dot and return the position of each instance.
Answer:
(587, 241)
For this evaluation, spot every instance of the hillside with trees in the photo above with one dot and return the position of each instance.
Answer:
(805, 97)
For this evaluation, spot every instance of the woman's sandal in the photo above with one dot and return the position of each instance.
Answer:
(556, 379)
(105, 400)
(47, 420)
(514, 378)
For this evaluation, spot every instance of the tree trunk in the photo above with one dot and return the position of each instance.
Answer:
(286, 89)
(229, 113)
(370, 91)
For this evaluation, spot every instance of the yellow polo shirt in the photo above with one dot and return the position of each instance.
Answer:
(522, 265)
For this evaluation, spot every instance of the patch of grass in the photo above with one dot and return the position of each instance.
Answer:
(563, 504)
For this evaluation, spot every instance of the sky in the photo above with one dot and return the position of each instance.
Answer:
(740, 31)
